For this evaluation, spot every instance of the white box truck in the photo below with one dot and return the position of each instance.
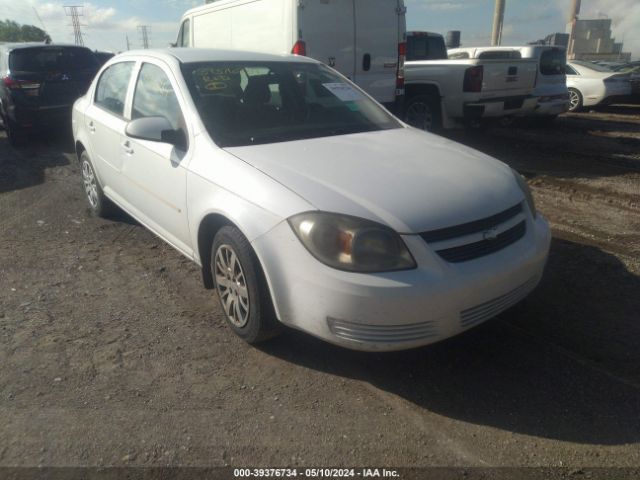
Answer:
(362, 39)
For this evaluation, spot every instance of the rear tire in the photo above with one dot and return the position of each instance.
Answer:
(242, 288)
(17, 136)
(99, 204)
(575, 100)
(423, 112)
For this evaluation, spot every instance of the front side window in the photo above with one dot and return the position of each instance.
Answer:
(184, 34)
(250, 103)
(111, 91)
(154, 97)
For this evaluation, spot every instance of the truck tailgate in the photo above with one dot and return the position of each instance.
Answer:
(508, 77)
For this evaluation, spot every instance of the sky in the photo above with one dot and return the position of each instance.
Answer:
(107, 23)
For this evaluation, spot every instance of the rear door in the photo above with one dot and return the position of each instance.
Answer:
(328, 29)
(380, 27)
(105, 121)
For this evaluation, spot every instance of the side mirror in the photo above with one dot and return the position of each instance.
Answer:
(156, 129)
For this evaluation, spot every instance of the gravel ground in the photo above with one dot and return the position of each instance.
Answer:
(113, 354)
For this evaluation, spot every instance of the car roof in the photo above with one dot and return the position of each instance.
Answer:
(194, 55)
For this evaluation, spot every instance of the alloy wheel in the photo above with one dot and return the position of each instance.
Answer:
(90, 184)
(574, 100)
(232, 286)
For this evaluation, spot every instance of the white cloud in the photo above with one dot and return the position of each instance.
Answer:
(103, 28)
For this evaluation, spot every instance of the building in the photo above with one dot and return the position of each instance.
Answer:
(592, 40)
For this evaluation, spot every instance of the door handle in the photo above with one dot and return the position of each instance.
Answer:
(92, 129)
(127, 148)
(366, 62)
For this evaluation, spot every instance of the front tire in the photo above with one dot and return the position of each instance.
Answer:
(423, 112)
(242, 289)
(575, 100)
(99, 204)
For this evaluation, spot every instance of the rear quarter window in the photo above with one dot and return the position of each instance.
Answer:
(553, 62)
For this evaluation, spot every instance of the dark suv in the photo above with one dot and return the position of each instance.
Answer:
(39, 85)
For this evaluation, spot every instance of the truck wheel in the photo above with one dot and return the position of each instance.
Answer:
(242, 289)
(423, 112)
(575, 100)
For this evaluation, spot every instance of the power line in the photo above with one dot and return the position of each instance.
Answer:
(144, 32)
(75, 12)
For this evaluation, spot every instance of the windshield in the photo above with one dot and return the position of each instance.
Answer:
(250, 103)
(52, 59)
(592, 66)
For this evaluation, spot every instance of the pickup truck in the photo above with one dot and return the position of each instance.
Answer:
(446, 93)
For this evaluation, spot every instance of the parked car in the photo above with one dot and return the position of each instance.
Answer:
(102, 57)
(592, 85)
(362, 39)
(304, 201)
(551, 82)
(443, 92)
(39, 84)
(633, 69)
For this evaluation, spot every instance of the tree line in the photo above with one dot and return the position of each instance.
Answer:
(11, 31)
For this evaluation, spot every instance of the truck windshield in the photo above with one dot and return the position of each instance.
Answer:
(250, 103)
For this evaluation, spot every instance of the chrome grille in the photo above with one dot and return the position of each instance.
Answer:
(468, 241)
(358, 332)
(474, 315)
(474, 250)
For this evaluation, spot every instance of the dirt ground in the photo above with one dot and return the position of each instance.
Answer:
(113, 354)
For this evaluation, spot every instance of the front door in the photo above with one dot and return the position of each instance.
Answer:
(156, 171)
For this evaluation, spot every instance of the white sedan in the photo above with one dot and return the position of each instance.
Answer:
(590, 85)
(304, 201)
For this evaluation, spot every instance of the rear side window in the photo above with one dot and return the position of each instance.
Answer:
(500, 55)
(569, 70)
(553, 62)
(426, 47)
(154, 97)
(111, 91)
(52, 59)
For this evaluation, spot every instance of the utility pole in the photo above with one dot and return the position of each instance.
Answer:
(75, 12)
(498, 20)
(573, 20)
(127, 37)
(144, 32)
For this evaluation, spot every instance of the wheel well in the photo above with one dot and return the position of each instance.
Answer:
(207, 230)
(411, 90)
(79, 149)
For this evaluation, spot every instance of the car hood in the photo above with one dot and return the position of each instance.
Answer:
(407, 179)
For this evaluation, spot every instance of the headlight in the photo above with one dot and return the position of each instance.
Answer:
(524, 186)
(351, 243)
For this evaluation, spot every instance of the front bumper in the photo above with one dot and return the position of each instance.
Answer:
(398, 310)
(552, 107)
